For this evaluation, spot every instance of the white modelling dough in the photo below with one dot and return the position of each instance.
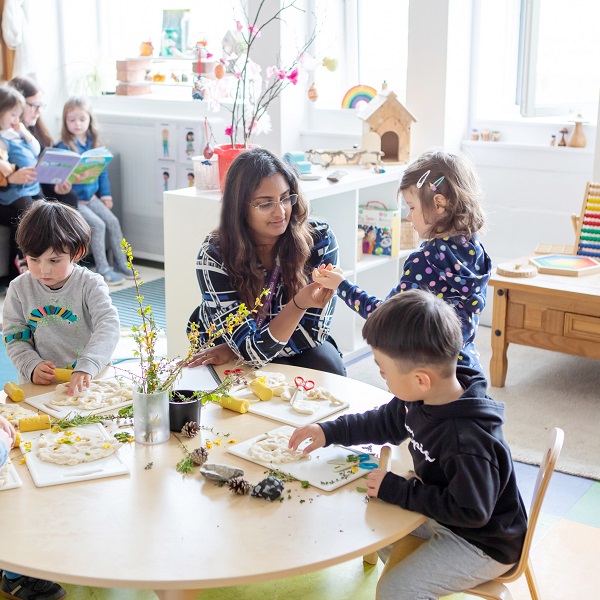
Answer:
(4, 474)
(14, 412)
(83, 447)
(274, 449)
(100, 394)
(302, 406)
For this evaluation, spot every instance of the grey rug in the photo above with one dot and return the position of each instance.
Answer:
(543, 390)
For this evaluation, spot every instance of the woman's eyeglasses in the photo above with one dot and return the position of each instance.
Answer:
(35, 106)
(269, 207)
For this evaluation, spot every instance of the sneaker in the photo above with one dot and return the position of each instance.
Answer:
(123, 270)
(29, 588)
(112, 278)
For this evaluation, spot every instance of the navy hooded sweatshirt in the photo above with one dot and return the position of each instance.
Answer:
(467, 478)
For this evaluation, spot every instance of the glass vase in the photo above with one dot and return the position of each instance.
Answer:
(151, 417)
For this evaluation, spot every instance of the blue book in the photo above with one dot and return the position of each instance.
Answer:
(56, 165)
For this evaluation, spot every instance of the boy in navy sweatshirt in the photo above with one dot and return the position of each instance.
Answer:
(465, 482)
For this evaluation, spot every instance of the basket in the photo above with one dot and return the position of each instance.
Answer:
(206, 173)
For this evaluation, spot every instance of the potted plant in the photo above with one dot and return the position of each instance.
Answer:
(158, 375)
(253, 91)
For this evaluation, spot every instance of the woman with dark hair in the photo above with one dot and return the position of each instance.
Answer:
(31, 118)
(265, 240)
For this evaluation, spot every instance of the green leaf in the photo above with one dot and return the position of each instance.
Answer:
(361, 490)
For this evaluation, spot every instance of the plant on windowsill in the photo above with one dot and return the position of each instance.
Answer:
(158, 375)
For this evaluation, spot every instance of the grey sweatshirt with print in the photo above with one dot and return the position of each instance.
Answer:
(76, 325)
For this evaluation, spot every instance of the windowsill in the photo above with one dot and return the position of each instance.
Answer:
(522, 146)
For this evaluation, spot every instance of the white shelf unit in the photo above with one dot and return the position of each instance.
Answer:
(189, 215)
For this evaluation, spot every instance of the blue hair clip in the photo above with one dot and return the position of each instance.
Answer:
(434, 186)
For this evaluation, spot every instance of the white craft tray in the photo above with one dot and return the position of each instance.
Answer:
(45, 473)
(315, 469)
(42, 402)
(282, 411)
(14, 481)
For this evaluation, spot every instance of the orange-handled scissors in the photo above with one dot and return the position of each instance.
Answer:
(304, 384)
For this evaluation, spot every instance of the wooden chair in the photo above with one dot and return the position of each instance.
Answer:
(495, 589)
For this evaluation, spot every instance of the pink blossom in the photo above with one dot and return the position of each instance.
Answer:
(239, 26)
(293, 76)
(209, 55)
(238, 75)
(254, 30)
(253, 126)
(229, 131)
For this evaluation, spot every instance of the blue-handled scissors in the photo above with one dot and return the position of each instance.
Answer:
(361, 460)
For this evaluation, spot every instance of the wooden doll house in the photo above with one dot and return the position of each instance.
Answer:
(386, 127)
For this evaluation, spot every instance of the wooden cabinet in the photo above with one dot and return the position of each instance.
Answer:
(189, 215)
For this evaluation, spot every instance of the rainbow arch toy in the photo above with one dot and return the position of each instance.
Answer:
(358, 94)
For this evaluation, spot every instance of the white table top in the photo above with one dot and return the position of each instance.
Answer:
(156, 529)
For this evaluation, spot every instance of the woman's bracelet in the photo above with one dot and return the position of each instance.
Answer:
(299, 307)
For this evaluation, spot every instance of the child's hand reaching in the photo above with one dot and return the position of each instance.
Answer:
(314, 432)
(328, 276)
(79, 380)
(43, 374)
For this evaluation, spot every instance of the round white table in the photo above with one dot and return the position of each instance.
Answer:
(157, 529)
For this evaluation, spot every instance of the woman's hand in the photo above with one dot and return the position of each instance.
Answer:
(313, 295)
(6, 168)
(63, 188)
(314, 432)
(23, 176)
(217, 355)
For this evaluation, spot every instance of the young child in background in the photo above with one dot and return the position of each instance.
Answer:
(444, 201)
(58, 314)
(79, 133)
(465, 480)
(18, 185)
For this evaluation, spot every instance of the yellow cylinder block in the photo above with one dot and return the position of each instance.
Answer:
(13, 391)
(17, 439)
(237, 404)
(34, 423)
(63, 374)
(261, 389)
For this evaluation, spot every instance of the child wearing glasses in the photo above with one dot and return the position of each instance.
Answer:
(265, 240)
(79, 133)
(464, 479)
(443, 197)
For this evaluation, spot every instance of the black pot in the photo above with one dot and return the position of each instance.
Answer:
(181, 413)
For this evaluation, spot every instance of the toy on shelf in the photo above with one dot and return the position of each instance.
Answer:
(386, 128)
(577, 139)
(298, 160)
(566, 264)
(587, 242)
(358, 96)
(563, 132)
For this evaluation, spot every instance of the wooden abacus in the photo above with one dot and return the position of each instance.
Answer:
(587, 225)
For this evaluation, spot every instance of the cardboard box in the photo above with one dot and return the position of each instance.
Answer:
(124, 89)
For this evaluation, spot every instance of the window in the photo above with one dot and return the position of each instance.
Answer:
(369, 41)
(536, 58)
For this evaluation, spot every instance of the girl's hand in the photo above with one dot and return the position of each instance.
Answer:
(63, 188)
(314, 432)
(5, 168)
(79, 380)
(374, 479)
(23, 176)
(328, 278)
(108, 201)
(8, 430)
(43, 374)
(217, 355)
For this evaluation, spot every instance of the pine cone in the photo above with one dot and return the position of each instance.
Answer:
(240, 486)
(199, 456)
(190, 429)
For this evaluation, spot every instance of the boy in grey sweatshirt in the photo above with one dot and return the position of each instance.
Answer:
(58, 314)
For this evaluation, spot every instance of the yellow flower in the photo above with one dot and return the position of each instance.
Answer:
(218, 442)
(232, 442)
(208, 444)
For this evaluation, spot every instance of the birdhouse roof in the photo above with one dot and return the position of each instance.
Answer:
(383, 97)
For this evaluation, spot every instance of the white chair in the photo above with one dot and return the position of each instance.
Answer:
(495, 589)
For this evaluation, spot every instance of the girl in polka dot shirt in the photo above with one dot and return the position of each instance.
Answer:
(443, 197)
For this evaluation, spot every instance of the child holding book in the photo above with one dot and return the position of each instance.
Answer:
(465, 480)
(18, 155)
(444, 200)
(58, 314)
(79, 133)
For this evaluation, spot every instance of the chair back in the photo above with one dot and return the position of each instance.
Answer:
(541, 485)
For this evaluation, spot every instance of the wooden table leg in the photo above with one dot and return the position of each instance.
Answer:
(499, 361)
